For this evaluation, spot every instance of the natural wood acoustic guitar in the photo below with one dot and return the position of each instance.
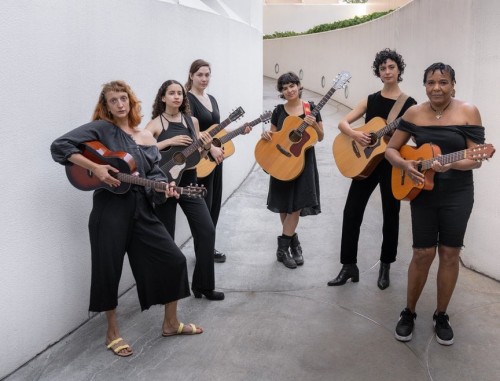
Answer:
(283, 157)
(404, 188)
(358, 162)
(95, 151)
(223, 139)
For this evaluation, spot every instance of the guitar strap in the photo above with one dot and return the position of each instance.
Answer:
(307, 108)
(396, 109)
(190, 125)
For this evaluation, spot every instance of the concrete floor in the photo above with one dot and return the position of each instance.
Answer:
(282, 324)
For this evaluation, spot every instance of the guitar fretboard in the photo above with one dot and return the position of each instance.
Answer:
(136, 180)
(391, 126)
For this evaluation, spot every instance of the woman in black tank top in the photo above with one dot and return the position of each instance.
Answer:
(172, 126)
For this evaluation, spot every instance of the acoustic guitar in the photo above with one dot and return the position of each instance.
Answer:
(95, 151)
(283, 157)
(356, 161)
(175, 160)
(223, 139)
(404, 188)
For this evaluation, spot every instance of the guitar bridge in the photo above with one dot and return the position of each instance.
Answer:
(355, 149)
(283, 151)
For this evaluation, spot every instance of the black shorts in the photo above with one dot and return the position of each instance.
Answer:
(440, 216)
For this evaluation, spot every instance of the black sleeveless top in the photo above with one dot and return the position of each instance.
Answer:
(176, 128)
(381, 106)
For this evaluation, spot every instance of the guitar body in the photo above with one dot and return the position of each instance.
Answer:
(173, 162)
(95, 151)
(207, 164)
(283, 157)
(403, 188)
(354, 160)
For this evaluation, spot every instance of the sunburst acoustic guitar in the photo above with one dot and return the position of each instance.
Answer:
(95, 151)
(283, 157)
(175, 160)
(404, 188)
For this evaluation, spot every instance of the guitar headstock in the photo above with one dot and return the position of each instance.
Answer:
(266, 116)
(194, 191)
(480, 152)
(341, 80)
(236, 114)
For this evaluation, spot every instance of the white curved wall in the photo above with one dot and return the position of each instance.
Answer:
(462, 33)
(55, 56)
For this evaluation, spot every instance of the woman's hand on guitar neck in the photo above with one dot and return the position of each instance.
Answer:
(172, 190)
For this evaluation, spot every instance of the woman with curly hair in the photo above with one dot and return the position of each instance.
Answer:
(173, 126)
(126, 223)
(389, 67)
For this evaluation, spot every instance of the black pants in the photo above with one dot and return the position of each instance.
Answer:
(213, 183)
(359, 194)
(202, 229)
(126, 223)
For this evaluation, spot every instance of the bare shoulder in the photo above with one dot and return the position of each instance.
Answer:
(469, 112)
(411, 115)
(147, 137)
(154, 127)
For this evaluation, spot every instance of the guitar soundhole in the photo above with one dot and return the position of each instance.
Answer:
(373, 139)
(179, 158)
(295, 136)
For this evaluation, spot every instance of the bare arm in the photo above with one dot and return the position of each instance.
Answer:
(355, 114)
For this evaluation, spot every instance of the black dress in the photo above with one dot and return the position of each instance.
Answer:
(301, 193)
(126, 223)
(213, 182)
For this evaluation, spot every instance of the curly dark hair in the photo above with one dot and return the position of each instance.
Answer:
(443, 68)
(383, 56)
(101, 109)
(159, 106)
(287, 78)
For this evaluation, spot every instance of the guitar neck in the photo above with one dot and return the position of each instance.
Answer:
(238, 131)
(318, 108)
(389, 128)
(199, 143)
(136, 180)
(444, 159)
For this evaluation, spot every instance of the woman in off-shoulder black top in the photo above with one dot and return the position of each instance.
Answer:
(440, 215)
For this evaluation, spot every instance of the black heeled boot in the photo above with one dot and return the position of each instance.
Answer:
(209, 294)
(296, 250)
(347, 272)
(383, 276)
(283, 253)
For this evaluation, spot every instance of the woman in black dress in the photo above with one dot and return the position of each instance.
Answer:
(173, 126)
(299, 197)
(126, 223)
(204, 107)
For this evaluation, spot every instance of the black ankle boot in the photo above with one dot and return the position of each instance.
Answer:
(383, 276)
(283, 253)
(209, 294)
(296, 250)
(347, 272)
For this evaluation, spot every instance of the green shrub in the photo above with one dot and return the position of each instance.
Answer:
(330, 26)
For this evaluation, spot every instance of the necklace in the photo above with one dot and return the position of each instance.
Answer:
(439, 113)
(172, 115)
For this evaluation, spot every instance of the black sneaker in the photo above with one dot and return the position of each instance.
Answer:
(219, 257)
(404, 328)
(444, 333)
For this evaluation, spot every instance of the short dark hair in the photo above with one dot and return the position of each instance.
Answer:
(383, 56)
(443, 68)
(287, 78)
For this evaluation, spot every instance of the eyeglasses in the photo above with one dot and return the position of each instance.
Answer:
(114, 101)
